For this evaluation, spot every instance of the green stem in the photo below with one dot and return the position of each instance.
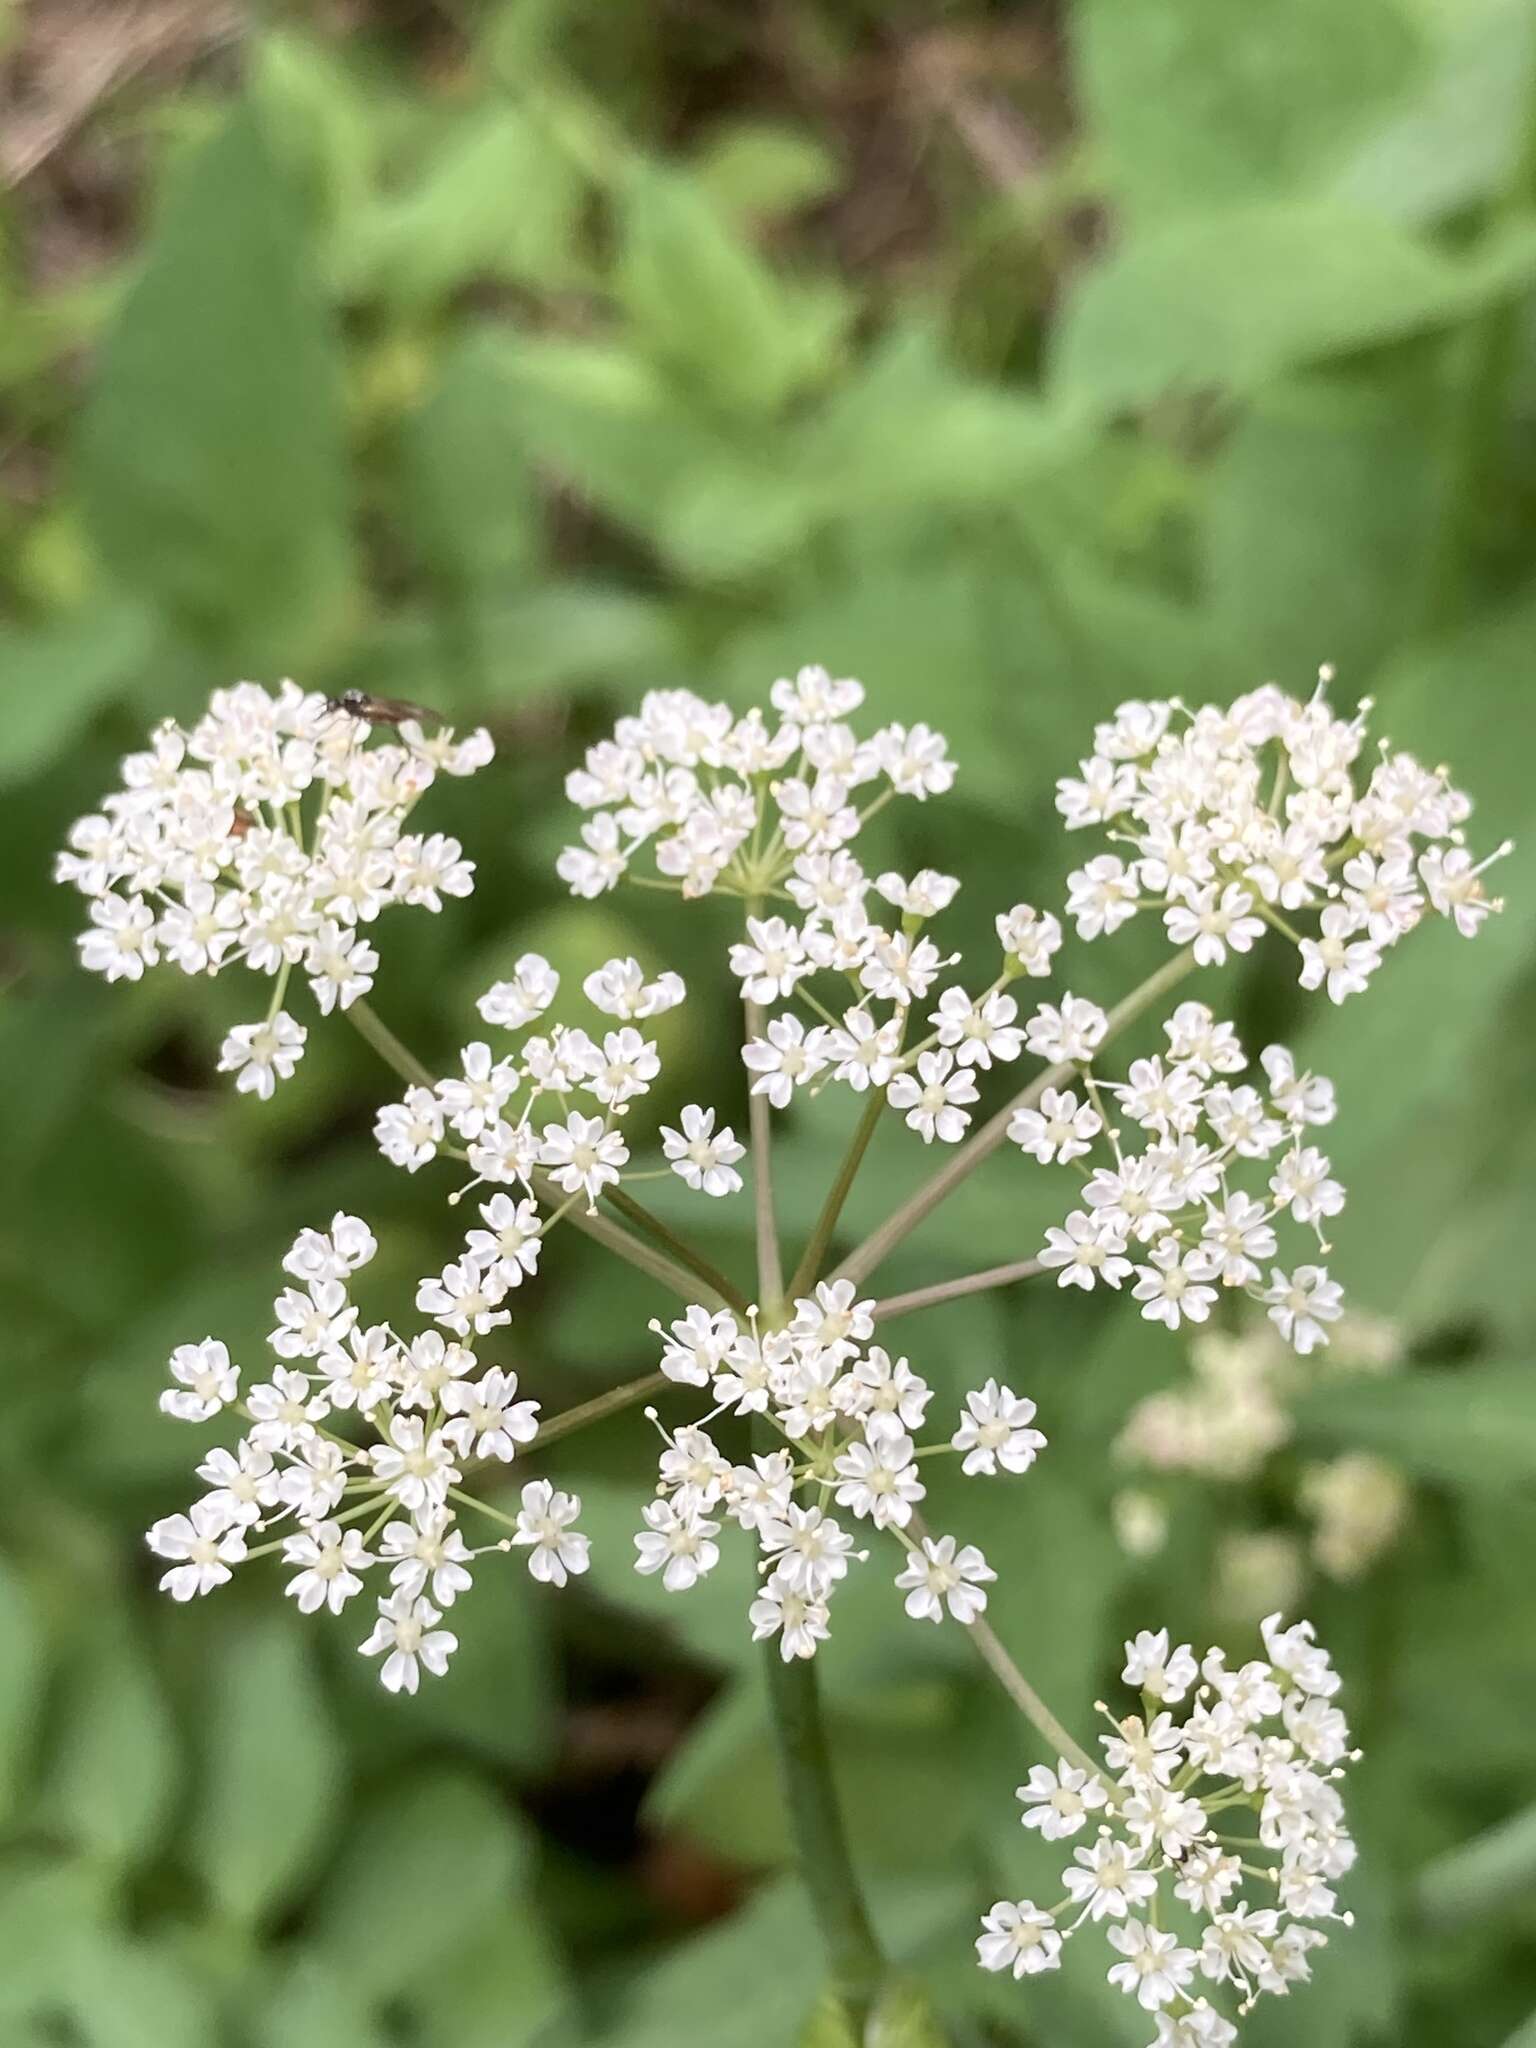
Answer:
(636, 1213)
(956, 1290)
(809, 1268)
(816, 1820)
(770, 1270)
(984, 1143)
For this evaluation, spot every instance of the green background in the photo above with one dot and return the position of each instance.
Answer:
(1016, 360)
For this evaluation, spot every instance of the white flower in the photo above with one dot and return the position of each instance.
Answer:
(515, 1003)
(329, 1558)
(1102, 896)
(923, 897)
(1154, 1668)
(582, 1156)
(878, 1479)
(1069, 1034)
(1213, 922)
(703, 1158)
(1088, 1249)
(1028, 939)
(1301, 1303)
(473, 1104)
(1301, 1183)
(775, 960)
(1155, 1969)
(408, 1133)
(408, 1629)
(313, 1320)
(415, 1468)
(1339, 959)
(428, 1556)
(1060, 1129)
(809, 1550)
(863, 1052)
(979, 1031)
(122, 942)
(1107, 1878)
(261, 1055)
(203, 1546)
(1175, 1287)
(995, 1430)
(509, 1246)
(786, 1059)
(799, 1622)
(244, 1483)
(206, 1381)
(285, 1412)
(933, 1097)
(1018, 1937)
(488, 1419)
(1455, 886)
(556, 1551)
(465, 1297)
(938, 1576)
(676, 1542)
(340, 965)
(619, 989)
(1058, 1802)
(1296, 1651)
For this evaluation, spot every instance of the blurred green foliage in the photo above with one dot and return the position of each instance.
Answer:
(1017, 360)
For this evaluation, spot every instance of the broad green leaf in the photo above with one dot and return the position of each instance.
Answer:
(310, 2007)
(210, 456)
(1493, 1873)
(504, 1992)
(22, 1651)
(1455, 136)
(127, 1993)
(1197, 103)
(114, 1764)
(495, 1699)
(49, 1910)
(498, 199)
(467, 494)
(752, 1979)
(321, 124)
(428, 1867)
(755, 170)
(272, 1774)
(1233, 298)
(704, 303)
(1318, 517)
(59, 675)
(1474, 1426)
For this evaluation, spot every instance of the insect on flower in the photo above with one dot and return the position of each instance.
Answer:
(383, 710)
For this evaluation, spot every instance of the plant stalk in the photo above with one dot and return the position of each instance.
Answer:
(956, 1290)
(967, 1157)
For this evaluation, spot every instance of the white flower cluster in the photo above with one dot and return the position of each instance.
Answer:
(1170, 1213)
(766, 812)
(354, 1452)
(1257, 814)
(1234, 1411)
(847, 1412)
(501, 1111)
(1213, 1840)
(269, 835)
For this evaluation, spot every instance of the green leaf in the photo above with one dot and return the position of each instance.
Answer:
(59, 675)
(272, 1774)
(705, 305)
(1233, 298)
(751, 1980)
(309, 2007)
(1472, 1427)
(1196, 103)
(49, 1910)
(210, 455)
(757, 170)
(21, 1675)
(115, 1762)
(464, 471)
(426, 1869)
(132, 1994)
(1493, 1873)
(503, 1992)
(1318, 518)
(496, 200)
